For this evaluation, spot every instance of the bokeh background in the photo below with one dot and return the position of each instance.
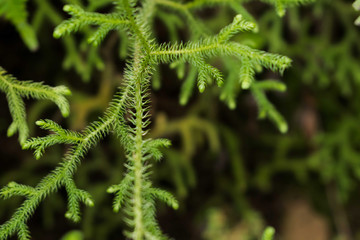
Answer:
(232, 173)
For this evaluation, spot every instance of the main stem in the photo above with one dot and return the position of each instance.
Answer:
(137, 155)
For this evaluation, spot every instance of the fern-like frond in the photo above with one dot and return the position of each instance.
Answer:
(15, 90)
(208, 48)
(196, 52)
(61, 175)
(249, 60)
(61, 136)
(81, 18)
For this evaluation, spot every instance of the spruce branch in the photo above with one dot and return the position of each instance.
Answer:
(16, 90)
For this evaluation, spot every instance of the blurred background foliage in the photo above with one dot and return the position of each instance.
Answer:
(232, 174)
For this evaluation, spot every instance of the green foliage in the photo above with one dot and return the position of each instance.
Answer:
(61, 136)
(323, 147)
(81, 19)
(331, 59)
(16, 90)
(128, 114)
(337, 157)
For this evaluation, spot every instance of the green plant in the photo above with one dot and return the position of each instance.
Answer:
(128, 115)
(15, 90)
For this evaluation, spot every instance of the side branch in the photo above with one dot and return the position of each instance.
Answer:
(61, 175)
(210, 48)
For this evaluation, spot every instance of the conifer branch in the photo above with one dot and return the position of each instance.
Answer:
(16, 90)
